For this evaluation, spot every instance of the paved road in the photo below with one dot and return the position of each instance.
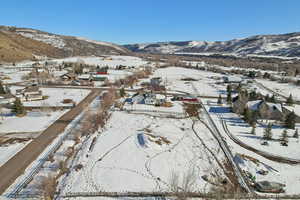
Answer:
(14, 167)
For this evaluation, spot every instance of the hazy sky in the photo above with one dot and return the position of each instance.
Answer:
(135, 21)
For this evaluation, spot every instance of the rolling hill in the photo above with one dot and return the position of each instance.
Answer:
(17, 44)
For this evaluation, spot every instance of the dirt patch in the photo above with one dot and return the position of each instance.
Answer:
(158, 139)
(7, 141)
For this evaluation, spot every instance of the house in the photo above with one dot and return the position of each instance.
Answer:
(30, 93)
(120, 67)
(97, 77)
(155, 84)
(68, 76)
(147, 98)
(160, 99)
(101, 70)
(138, 98)
(189, 99)
(232, 79)
(7, 98)
(82, 83)
(92, 77)
(267, 110)
(155, 81)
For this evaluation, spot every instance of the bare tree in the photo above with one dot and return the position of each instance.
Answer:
(49, 187)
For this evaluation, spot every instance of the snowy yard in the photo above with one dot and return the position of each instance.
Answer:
(56, 96)
(122, 161)
(32, 122)
(278, 172)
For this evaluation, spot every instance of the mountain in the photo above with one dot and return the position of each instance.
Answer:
(287, 45)
(17, 44)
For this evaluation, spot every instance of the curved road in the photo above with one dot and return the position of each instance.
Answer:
(267, 155)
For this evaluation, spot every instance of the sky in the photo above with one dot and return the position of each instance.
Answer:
(140, 21)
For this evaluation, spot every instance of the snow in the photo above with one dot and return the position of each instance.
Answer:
(282, 88)
(295, 108)
(32, 122)
(14, 75)
(53, 40)
(56, 96)
(101, 61)
(172, 76)
(285, 173)
(10, 150)
(119, 163)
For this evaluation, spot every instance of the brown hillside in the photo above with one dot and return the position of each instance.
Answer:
(14, 48)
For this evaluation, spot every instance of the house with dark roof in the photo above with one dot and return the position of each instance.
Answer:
(267, 110)
(30, 93)
(68, 76)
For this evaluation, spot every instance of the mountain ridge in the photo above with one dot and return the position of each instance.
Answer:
(18, 44)
(286, 45)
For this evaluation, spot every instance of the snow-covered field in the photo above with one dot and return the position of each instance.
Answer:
(207, 87)
(110, 61)
(119, 162)
(14, 75)
(282, 88)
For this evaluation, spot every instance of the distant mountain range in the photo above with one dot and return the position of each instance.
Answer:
(17, 44)
(286, 45)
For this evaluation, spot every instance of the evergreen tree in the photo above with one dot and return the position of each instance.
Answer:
(2, 90)
(252, 96)
(296, 72)
(266, 75)
(284, 138)
(296, 135)
(239, 87)
(18, 108)
(268, 132)
(219, 99)
(122, 92)
(229, 98)
(273, 99)
(290, 120)
(247, 115)
(254, 117)
(229, 89)
(290, 100)
(267, 98)
(253, 130)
